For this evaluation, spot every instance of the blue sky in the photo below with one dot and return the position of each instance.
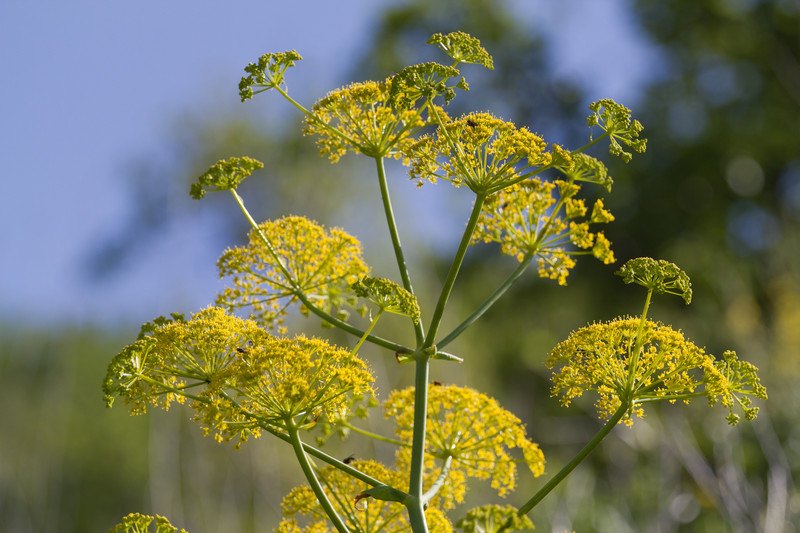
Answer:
(87, 85)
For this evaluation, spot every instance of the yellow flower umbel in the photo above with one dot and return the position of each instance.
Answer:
(543, 220)
(172, 358)
(668, 368)
(238, 377)
(306, 259)
(473, 431)
(302, 512)
(142, 523)
(296, 381)
(479, 150)
(491, 518)
(361, 118)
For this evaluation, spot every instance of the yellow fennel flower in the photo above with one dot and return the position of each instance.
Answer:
(598, 358)
(543, 220)
(361, 118)
(471, 429)
(308, 259)
(302, 512)
(142, 523)
(176, 355)
(490, 518)
(238, 377)
(478, 150)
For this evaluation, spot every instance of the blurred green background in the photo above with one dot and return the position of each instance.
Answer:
(718, 192)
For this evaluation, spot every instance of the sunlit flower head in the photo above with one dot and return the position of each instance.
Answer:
(587, 169)
(225, 175)
(616, 120)
(473, 430)
(478, 150)
(300, 381)
(598, 358)
(543, 220)
(318, 262)
(462, 48)
(237, 376)
(490, 518)
(423, 83)
(178, 355)
(388, 296)
(360, 118)
(657, 275)
(267, 73)
(142, 523)
(302, 512)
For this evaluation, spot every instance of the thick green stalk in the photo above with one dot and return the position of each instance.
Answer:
(570, 466)
(454, 268)
(489, 302)
(416, 515)
(398, 248)
(308, 470)
(422, 368)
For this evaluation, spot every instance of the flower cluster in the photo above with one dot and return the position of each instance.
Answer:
(286, 258)
(616, 121)
(361, 118)
(463, 48)
(668, 367)
(585, 168)
(225, 175)
(237, 376)
(491, 518)
(424, 83)
(388, 296)
(141, 523)
(657, 275)
(739, 384)
(364, 515)
(473, 431)
(544, 220)
(267, 73)
(479, 150)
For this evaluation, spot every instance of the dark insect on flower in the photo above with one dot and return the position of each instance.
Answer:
(471, 123)
(437, 383)
(241, 350)
(349, 459)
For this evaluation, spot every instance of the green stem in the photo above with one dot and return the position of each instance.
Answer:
(264, 239)
(297, 445)
(439, 480)
(416, 515)
(376, 436)
(454, 268)
(398, 248)
(319, 454)
(422, 367)
(570, 466)
(345, 326)
(367, 332)
(591, 143)
(638, 346)
(489, 302)
(300, 107)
